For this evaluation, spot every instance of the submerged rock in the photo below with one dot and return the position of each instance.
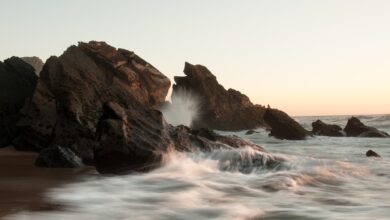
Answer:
(283, 126)
(67, 104)
(17, 84)
(355, 128)
(323, 129)
(134, 140)
(249, 132)
(218, 108)
(35, 62)
(371, 153)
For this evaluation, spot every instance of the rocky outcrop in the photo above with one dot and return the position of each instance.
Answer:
(371, 153)
(219, 108)
(58, 157)
(323, 129)
(283, 126)
(35, 62)
(355, 128)
(67, 104)
(138, 140)
(17, 84)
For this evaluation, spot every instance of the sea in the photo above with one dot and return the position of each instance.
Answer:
(319, 178)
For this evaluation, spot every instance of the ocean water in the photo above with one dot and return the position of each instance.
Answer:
(319, 178)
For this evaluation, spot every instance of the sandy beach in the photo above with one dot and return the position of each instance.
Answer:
(23, 186)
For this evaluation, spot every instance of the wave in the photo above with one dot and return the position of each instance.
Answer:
(222, 184)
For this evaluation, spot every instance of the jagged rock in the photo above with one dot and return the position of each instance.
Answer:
(355, 128)
(17, 84)
(219, 108)
(371, 153)
(72, 88)
(58, 157)
(283, 126)
(323, 129)
(35, 62)
(139, 140)
(133, 140)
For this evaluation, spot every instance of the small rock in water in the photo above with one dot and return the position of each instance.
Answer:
(251, 132)
(371, 153)
(323, 129)
(355, 128)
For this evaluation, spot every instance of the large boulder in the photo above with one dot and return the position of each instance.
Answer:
(131, 140)
(138, 140)
(355, 128)
(72, 88)
(35, 62)
(218, 108)
(323, 129)
(17, 84)
(283, 126)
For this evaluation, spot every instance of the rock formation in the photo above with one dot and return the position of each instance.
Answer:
(35, 62)
(283, 126)
(355, 128)
(139, 139)
(67, 103)
(323, 129)
(220, 109)
(17, 84)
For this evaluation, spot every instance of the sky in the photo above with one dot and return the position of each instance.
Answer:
(306, 57)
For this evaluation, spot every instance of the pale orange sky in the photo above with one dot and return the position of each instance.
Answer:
(306, 57)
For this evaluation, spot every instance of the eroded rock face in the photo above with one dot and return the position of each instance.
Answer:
(17, 84)
(130, 140)
(72, 88)
(283, 126)
(35, 62)
(219, 108)
(323, 129)
(355, 128)
(58, 157)
(138, 140)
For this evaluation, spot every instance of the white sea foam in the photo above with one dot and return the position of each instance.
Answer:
(319, 178)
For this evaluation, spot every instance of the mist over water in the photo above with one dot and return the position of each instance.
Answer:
(319, 178)
(183, 110)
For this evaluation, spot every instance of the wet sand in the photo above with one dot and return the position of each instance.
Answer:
(23, 186)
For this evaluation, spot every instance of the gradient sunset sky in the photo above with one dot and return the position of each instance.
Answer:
(306, 57)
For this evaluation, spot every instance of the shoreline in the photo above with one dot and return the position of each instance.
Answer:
(23, 185)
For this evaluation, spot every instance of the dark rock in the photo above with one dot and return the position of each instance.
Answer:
(283, 126)
(35, 62)
(131, 140)
(186, 139)
(371, 153)
(219, 108)
(251, 132)
(355, 128)
(72, 88)
(139, 140)
(17, 84)
(58, 157)
(323, 129)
